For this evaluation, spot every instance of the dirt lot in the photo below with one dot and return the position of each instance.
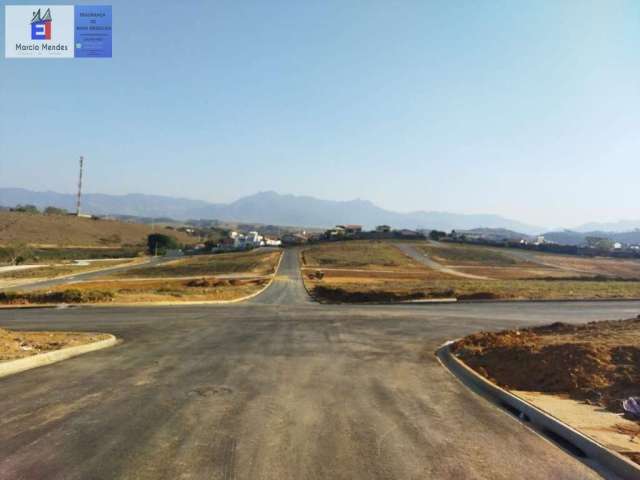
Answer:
(258, 262)
(338, 286)
(505, 264)
(598, 362)
(68, 230)
(378, 271)
(14, 344)
(358, 254)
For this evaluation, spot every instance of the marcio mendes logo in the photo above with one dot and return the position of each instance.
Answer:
(41, 25)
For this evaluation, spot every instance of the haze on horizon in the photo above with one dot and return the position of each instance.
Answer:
(529, 110)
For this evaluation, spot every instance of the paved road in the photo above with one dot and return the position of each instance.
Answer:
(275, 388)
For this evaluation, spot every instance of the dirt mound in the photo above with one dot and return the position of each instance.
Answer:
(598, 362)
(339, 295)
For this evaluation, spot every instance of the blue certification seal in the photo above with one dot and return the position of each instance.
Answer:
(92, 31)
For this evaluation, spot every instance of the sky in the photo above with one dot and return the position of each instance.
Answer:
(527, 109)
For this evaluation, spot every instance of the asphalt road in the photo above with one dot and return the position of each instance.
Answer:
(275, 388)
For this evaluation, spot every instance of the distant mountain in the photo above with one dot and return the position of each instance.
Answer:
(620, 226)
(264, 207)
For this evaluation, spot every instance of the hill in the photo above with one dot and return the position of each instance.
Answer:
(67, 230)
(266, 208)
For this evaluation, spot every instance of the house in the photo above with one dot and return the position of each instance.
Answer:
(248, 241)
(350, 230)
(272, 242)
(383, 229)
(334, 233)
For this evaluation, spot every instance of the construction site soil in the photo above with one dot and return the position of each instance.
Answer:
(598, 362)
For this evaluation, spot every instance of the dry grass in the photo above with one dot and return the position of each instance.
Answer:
(613, 267)
(258, 262)
(508, 264)
(358, 254)
(53, 271)
(14, 345)
(485, 289)
(139, 291)
(67, 230)
(453, 254)
(370, 270)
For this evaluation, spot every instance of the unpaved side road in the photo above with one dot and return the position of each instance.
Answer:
(413, 252)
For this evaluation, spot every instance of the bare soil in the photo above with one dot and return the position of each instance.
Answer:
(14, 344)
(598, 362)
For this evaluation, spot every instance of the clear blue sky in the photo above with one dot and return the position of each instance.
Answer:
(529, 109)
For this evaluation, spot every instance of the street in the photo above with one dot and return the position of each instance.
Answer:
(278, 387)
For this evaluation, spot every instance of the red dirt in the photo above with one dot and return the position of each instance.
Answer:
(598, 362)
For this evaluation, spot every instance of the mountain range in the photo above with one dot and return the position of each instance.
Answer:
(263, 207)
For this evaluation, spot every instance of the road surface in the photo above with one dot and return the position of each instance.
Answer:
(275, 388)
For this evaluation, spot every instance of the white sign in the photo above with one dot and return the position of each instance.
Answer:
(41, 31)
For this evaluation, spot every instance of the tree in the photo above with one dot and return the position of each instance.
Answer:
(55, 211)
(436, 235)
(26, 208)
(15, 253)
(159, 243)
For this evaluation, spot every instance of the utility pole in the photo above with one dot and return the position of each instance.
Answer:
(79, 187)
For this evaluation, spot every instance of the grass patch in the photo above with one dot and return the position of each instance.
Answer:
(357, 254)
(53, 271)
(455, 254)
(69, 295)
(258, 262)
(135, 291)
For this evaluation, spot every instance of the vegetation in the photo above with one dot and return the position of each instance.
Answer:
(69, 295)
(26, 208)
(358, 254)
(464, 289)
(15, 253)
(58, 270)
(135, 291)
(260, 262)
(66, 231)
(458, 254)
(55, 211)
(437, 235)
(158, 244)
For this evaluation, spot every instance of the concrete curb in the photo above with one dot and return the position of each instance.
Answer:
(42, 359)
(612, 461)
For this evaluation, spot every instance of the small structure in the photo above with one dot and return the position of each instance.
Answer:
(383, 229)
(350, 230)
